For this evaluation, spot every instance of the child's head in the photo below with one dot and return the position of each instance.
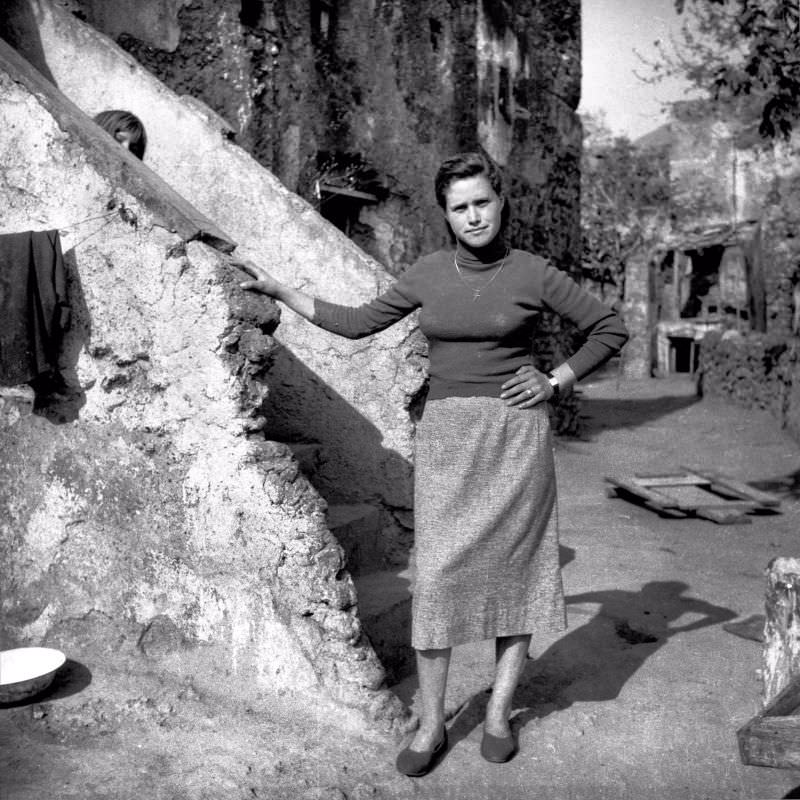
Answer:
(126, 128)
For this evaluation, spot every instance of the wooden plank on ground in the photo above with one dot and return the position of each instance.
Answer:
(722, 515)
(682, 479)
(658, 499)
(739, 488)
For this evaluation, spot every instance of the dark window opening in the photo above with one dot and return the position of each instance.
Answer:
(436, 32)
(322, 19)
(684, 354)
(504, 99)
(250, 13)
(705, 276)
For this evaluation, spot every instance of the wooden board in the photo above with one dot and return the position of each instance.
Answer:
(706, 494)
(772, 738)
(655, 501)
(725, 482)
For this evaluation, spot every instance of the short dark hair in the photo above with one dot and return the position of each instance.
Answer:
(466, 165)
(117, 120)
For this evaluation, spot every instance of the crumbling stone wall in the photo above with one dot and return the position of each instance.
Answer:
(139, 518)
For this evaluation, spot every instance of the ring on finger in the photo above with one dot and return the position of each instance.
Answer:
(529, 392)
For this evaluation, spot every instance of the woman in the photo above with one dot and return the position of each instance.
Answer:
(486, 543)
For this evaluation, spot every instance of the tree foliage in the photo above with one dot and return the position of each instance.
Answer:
(739, 50)
(625, 196)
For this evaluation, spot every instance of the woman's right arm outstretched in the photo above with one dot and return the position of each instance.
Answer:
(352, 322)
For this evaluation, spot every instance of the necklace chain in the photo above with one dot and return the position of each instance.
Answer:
(476, 293)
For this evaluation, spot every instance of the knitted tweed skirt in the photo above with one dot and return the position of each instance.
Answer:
(486, 528)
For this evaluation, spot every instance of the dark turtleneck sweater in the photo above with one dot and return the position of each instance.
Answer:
(476, 344)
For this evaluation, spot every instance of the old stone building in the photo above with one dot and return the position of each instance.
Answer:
(718, 297)
(227, 474)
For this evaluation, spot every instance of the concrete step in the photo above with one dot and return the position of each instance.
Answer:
(384, 608)
(357, 528)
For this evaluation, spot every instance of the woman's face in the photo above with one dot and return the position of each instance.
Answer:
(473, 209)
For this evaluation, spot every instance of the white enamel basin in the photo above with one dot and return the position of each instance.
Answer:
(26, 671)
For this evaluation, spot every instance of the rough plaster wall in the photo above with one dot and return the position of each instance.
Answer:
(144, 521)
(349, 397)
(701, 170)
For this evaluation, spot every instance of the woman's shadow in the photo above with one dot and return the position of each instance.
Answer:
(594, 661)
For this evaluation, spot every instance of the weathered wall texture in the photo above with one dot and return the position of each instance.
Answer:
(139, 517)
(341, 405)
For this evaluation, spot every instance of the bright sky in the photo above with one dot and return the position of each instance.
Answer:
(611, 30)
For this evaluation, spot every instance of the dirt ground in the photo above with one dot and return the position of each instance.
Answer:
(641, 697)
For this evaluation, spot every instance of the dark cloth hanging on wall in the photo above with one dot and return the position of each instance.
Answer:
(33, 305)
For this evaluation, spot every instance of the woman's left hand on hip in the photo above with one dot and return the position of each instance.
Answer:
(527, 388)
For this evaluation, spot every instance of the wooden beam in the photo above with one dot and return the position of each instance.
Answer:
(344, 191)
(677, 479)
(723, 516)
(656, 498)
(726, 483)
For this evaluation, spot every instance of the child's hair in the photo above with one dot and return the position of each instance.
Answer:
(118, 121)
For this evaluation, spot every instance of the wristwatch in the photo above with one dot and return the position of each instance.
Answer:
(556, 388)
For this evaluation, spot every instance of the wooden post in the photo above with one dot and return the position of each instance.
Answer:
(782, 630)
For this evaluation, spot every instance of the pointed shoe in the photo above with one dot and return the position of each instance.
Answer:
(498, 749)
(416, 763)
